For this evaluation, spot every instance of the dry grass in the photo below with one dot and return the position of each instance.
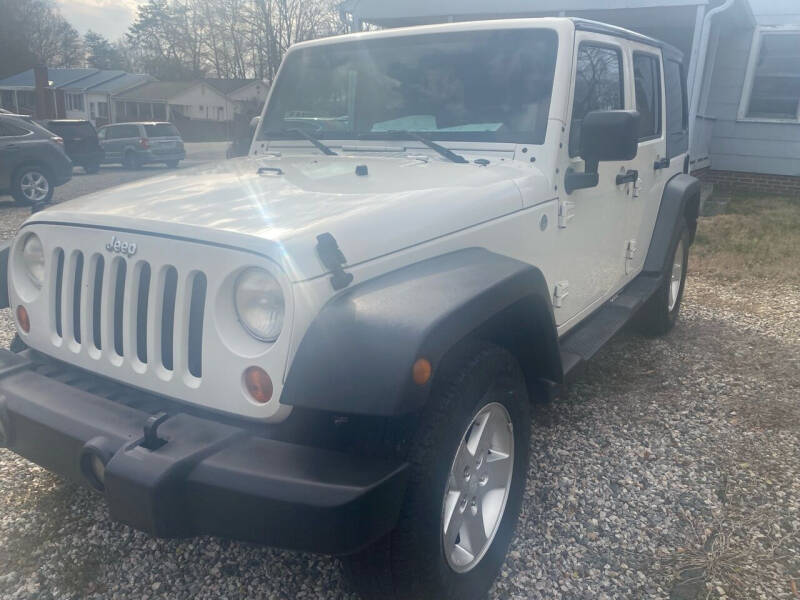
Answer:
(756, 238)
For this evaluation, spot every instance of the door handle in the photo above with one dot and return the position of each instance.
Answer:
(630, 176)
(661, 163)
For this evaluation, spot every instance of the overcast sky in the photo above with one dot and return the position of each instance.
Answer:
(108, 17)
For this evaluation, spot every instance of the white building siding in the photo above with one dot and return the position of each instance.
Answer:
(739, 143)
(204, 102)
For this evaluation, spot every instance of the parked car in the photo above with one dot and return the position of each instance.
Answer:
(80, 142)
(32, 160)
(137, 144)
(333, 345)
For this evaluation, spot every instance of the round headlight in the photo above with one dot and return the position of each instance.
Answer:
(33, 258)
(259, 304)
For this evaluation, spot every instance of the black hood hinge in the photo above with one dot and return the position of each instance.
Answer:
(333, 259)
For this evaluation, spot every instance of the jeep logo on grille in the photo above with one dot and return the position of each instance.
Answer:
(120, 247)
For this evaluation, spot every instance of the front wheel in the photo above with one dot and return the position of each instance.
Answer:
(32, 185)
(92, 168)
(172, 164)
(660, 313)
(469, 463)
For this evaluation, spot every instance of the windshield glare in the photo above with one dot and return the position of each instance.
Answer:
(469, 86)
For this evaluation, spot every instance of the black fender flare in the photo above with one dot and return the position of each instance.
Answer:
(5, 248)
(681, 199)
(357, 355)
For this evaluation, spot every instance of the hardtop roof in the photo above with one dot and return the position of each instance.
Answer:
(489, 24)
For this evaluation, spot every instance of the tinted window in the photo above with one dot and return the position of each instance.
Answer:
(476, 85)
(647, 83)
(8, 130)
(81, 128)
(122, 131)
(161, 130)
(677, 111)
(598, 86)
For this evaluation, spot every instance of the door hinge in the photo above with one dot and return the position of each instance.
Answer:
(561, 292)
(630, 254)
(566, 210)
(630, 249)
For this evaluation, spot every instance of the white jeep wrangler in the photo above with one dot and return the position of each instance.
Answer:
(333, 344)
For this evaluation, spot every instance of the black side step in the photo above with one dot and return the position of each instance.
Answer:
(584, 341)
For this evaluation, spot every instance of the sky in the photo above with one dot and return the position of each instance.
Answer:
(108, 17)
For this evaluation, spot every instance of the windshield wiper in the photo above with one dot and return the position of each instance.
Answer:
(448, 154)
(319, 145)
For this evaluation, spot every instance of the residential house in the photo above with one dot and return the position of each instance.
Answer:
(17, 91)
(245, 94)
(72, 93)
(99, 97)
(742, 59)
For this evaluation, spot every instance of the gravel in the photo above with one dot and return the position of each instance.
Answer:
(670, 470)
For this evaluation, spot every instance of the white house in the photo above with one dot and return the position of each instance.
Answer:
(244, 93)
(168, 100)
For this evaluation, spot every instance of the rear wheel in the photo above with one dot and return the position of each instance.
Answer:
(92, 168)
(172, 164)
(468, 468)
(660, 314)
(32, 185)
(131, 161)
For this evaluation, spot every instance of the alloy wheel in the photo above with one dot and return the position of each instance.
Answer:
(477, 487)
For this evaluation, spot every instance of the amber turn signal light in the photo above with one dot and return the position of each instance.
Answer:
(258, 384)
(23, 319)
(421, 371)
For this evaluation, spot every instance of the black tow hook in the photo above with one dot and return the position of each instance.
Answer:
(151, 440)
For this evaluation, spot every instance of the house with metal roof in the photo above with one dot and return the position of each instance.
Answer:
(71, 93)
(741, 57)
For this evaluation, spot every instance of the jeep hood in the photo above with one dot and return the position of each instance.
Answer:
(279, 212)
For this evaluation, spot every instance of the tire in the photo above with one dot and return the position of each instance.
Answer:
(131, 161)
(92, 168)
(32, 184)
(172, 164)
(17, 345)
(416, 561)
(660, 313)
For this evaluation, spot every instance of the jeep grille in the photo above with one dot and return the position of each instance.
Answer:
(129, 310)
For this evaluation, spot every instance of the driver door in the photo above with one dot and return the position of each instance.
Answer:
(592, 221)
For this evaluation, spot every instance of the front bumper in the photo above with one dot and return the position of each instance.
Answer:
(194, 475)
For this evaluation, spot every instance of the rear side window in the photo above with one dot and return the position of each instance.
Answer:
(647, 83)
(161, 130)
(122, 131)
(677, 109)
(10, 130)
(598, 86)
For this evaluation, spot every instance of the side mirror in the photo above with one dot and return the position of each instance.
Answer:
(605, 135)
(609, 135)
(254, 123)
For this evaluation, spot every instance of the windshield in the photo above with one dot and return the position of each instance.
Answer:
(161, 130)
(470, 86)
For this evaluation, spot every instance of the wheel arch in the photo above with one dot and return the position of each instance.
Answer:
(357, 355)
(30, 162)
(680, 200)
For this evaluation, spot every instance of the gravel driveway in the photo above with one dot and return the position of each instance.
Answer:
(671, 470)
